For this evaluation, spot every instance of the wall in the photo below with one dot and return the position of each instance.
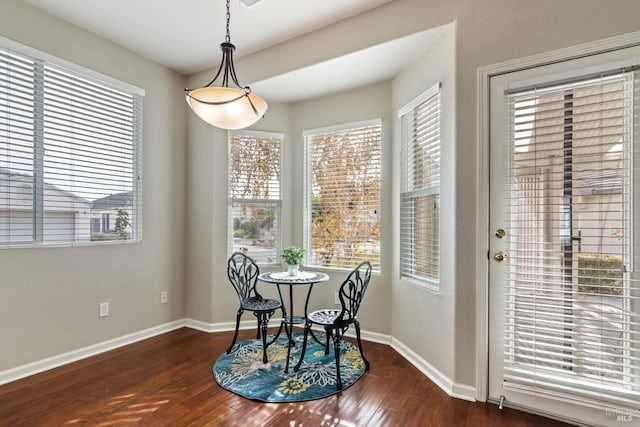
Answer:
(486, 32)
(49, 296)
(423, 319)
(371, 102)
(210, 298)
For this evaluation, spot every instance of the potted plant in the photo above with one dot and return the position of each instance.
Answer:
(293, 256)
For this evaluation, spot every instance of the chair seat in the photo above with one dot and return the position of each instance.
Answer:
(327, 316)
(255, 304)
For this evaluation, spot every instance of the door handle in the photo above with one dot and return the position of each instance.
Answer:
(500, 256)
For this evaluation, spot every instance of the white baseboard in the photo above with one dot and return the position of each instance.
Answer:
(460, 391)
(82, 353)
(464, 392)
(212, 327)
(251, 324)
(225, 326)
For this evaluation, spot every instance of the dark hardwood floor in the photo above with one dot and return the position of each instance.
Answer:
(168, 381)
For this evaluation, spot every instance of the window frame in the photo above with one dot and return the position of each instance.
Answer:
(42, 64)
(308, 136)
(411, 192)
(267, 202)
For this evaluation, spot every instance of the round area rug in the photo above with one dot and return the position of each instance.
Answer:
(242, 371)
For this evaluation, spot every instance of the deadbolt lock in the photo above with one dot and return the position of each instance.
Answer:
(500, 233)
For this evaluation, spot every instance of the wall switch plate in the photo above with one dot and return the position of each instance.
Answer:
(104, 309)
(336, 298)
(164, 297)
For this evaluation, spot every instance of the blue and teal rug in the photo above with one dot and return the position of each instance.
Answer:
(242, 371)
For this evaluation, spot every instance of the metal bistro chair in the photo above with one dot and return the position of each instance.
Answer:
(243, 274)
(336, 322)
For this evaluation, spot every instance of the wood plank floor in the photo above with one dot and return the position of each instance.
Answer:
(168, 381)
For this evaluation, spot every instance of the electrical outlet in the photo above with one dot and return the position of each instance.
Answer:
(164, 297)
(336, 298)
(104, 309)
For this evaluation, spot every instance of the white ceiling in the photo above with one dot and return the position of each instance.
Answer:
(185, 35)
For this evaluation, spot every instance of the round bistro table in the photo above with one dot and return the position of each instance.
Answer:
(280, 278)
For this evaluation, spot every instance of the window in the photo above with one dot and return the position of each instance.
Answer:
(254, 194)
(342, 195)
(70, 155)
(420, 189)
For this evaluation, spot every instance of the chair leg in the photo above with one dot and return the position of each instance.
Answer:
(336, 347)
(259, 328)
(263, 323)
(327, 339)
(307, 326)
(366, 362)
(235, 335)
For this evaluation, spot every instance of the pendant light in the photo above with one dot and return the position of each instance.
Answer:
(223, 106)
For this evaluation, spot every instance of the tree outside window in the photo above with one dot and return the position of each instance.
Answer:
(254, 194)
(343, 180)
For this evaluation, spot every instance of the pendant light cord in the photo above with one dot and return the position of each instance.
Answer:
(228, 37)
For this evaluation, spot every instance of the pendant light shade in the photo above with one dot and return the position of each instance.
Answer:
(223, 106)
(226, 107)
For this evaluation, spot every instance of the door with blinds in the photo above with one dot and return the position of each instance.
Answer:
(564, 268)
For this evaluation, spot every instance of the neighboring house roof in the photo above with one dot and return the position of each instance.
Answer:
(27, 180)
(600, 181)
(114, 201)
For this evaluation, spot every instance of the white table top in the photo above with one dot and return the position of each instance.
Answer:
(302, 277)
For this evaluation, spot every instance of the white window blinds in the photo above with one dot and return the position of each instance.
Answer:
(254, 194)
(70, 156)
(420, 189)
(572, 324)
(342, 197)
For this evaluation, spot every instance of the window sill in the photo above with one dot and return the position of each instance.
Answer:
(424, 285)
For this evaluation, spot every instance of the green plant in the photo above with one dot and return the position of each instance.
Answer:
(122, 222)
(292, 255)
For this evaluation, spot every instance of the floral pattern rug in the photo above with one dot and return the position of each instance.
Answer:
(242, 371)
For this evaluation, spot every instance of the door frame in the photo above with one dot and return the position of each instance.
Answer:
(484, 75)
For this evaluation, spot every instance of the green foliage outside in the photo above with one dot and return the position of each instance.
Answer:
(345, 219)
(259, 221)
(122, 222)
(600, 274)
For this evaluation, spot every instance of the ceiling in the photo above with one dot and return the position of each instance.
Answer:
(185, 35)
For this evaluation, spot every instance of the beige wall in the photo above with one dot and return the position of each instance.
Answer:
(209, 295)
(424, 320)
(442, 328)
(52, 308)
(49, 297)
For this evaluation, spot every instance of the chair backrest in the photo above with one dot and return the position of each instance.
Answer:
(352, 292)
(243, 274)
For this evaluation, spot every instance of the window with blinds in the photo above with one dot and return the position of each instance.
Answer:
(342, 195)
(420, 189)
(255, 164)
(70, 155)
(572, 302)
